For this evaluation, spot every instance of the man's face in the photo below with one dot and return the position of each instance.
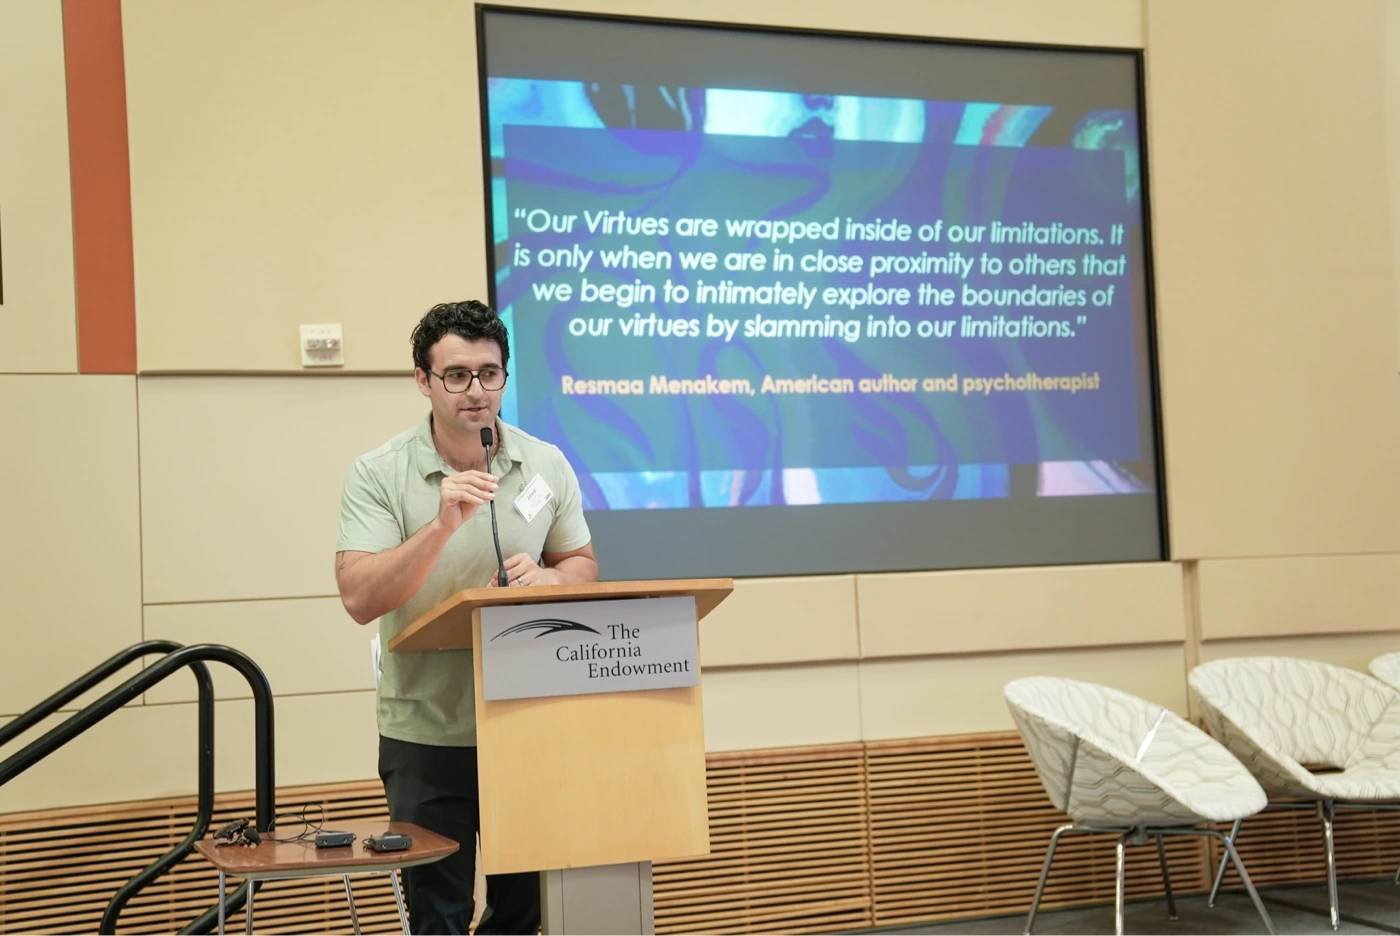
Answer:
(475, 408)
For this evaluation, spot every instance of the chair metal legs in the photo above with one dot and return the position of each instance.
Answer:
(1326, 811)
(1244, 875)
(1118, 884)
(1224, 863)
(1140, 835)
(1045, 873)
(1166, 880)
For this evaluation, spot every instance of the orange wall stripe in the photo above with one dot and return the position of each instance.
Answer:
(101, 174)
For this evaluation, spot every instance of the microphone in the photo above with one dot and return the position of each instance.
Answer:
(487, 436)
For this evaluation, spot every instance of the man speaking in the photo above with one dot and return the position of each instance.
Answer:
(413, 532)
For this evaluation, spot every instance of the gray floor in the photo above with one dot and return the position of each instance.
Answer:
(1371, 907)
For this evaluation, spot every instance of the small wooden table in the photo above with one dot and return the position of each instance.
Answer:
(273, 861)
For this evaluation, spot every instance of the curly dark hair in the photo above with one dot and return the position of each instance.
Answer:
(471, 320)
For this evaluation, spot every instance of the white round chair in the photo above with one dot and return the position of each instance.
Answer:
(1282, 716)
(1386, 668)
(1122, 765)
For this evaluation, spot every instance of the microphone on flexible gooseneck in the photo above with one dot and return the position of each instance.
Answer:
(487, 436)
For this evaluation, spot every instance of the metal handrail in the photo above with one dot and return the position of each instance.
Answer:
(177, 657)
(82, 684)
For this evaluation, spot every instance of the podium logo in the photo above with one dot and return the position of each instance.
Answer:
(617, 645)
(546, 626)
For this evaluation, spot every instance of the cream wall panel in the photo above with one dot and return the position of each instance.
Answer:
(149, 751)
(1353, 650)
(1392, 125)
(320, 161)
(241, 478)
(918, 613)
(782, 706)
(70, 557)
(782, 620)
(38, 317)
(1071, 22)
(1307, 595)
(304, 645)
(308, 165)
(1273, 270)
(963, 695)
(320, 739)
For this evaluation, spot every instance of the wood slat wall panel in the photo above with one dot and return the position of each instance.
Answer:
(790, 847)
(1284, 846)
(959, 828)
(59, 868)
(804, 840)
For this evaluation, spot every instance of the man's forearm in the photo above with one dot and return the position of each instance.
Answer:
(576, 569)
(373, 585)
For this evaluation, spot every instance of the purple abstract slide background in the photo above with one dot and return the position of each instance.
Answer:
(752, 154)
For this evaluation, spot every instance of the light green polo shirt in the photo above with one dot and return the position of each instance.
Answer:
(428, 697)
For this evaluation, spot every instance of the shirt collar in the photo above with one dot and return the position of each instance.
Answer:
(431, 462)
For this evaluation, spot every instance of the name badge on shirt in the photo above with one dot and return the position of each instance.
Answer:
(533, 499)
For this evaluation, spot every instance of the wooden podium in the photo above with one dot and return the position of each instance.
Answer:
(588, 789)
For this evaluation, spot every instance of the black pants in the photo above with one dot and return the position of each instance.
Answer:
(435, 787)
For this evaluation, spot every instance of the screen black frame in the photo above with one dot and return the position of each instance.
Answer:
(1134, 54)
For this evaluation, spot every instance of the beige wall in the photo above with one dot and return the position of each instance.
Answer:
(1353, 650)
(917, 613)
(1340, 609)
(241, 479)
(149, 751)
(1276, 297)
(239, 217)
(318, 162)
(70, 556)
(37, 319)
(1392, 129)
(916, 697)
(243, 228)
(1242, 598)
(826, 660)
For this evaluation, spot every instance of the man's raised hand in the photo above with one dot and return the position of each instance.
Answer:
(461, 495)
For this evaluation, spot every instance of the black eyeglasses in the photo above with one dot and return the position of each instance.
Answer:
(459, 379)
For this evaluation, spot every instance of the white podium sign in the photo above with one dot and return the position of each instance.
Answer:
(582, 647)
